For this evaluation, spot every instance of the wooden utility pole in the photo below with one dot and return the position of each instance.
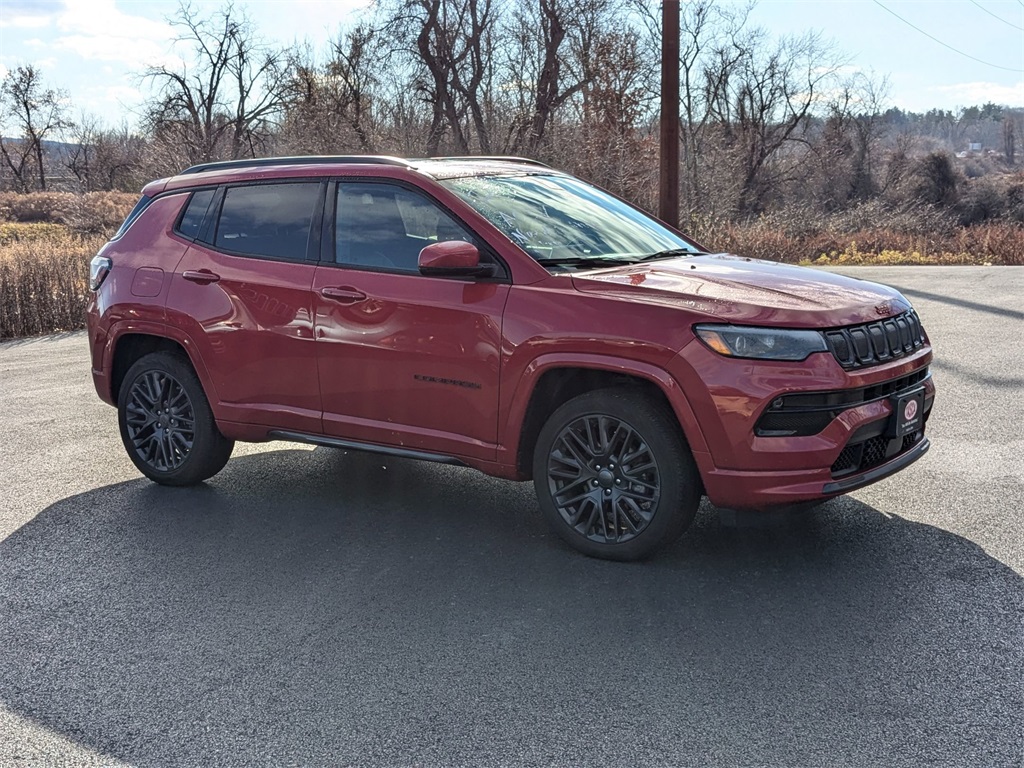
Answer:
(668, 192)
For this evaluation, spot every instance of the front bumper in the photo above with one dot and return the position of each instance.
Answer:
(735, 489)
(745, 470)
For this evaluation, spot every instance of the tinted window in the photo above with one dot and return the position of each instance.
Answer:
(386, 226)
(270, 220)
(195, 212)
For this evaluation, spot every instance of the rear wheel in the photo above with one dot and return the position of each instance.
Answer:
(614, 476)
(166, 423)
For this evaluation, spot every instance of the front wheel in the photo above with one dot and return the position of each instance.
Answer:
(614, 476)
(166, 423)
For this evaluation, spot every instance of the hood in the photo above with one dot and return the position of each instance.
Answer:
(732, 289)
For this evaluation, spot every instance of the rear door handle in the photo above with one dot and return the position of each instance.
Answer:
(200, 276)
(345, 295)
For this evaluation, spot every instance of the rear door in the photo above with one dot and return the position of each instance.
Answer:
(242, 293)
(404, 360)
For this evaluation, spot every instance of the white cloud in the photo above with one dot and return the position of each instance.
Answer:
(967, 94)
(97, 30)
(25, 22)
(123, 93)
(135, 53)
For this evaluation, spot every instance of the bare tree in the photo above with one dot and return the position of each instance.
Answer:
(710, 52)
(79, 149)
(331, 105)
(224, 103)
(764, 103)
(35, 113)
(553, 47)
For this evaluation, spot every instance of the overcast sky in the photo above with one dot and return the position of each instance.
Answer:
(96, 49)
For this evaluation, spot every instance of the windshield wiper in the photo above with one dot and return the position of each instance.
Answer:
(586, 261)
(671, 253)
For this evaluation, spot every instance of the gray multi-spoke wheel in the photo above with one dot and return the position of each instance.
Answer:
(603, 478)
(613, 474)
(166, 423)
(160, 420)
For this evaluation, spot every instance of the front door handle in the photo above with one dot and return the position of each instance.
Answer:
(345, 295)
(200, 276)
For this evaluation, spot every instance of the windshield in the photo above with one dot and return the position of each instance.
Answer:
(562, 221)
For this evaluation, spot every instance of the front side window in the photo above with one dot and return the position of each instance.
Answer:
(268, 220)
(386, 226)
(560, 220)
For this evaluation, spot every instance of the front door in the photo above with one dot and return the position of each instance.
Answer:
(405, 360)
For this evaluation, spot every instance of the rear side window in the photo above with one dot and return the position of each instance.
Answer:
(268, 220)
(195, 212)
(135, 213)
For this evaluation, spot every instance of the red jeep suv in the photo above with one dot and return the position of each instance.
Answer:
(496, 313)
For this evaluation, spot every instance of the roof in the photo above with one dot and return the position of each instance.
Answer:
(328, 165)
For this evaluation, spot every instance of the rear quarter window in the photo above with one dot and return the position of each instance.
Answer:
(195, 212)
(135, 213)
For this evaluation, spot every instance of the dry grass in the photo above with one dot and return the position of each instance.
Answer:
(44, 283)
(93, 212)
(46, 242)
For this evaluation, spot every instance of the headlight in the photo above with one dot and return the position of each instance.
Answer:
(761, 343)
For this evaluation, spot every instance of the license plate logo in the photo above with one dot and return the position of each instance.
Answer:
(910, 410)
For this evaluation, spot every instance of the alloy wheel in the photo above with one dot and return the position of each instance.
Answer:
(603, 478)
(160, 420)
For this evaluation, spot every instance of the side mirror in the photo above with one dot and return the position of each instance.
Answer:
(453, 258)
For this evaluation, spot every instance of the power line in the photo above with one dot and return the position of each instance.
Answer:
(946, 45)
(986, 10)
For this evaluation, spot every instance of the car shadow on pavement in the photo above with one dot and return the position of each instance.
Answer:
(336, 608)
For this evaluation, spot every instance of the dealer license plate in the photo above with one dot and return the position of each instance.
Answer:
(907, 413)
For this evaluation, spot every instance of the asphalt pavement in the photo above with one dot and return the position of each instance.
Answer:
(321, 607)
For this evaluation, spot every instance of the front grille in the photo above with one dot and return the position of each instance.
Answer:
(862, 454)
(807, 413)
(858, 346)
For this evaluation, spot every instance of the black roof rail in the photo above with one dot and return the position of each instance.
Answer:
(254, 162)
(499, 158)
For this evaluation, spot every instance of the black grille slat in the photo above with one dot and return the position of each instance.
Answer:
(892, 336)
(878, 346)
(859, 346)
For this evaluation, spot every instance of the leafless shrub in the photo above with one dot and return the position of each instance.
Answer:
(44, 284)
(92, 212)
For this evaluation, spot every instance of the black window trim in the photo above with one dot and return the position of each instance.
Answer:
(328, 247)
(208, 232)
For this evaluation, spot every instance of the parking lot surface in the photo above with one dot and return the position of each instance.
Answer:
(320, 607)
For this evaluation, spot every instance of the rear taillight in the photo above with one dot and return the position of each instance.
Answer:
(99, 268)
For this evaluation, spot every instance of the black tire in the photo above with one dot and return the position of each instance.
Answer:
(166, 423)
(614, 476)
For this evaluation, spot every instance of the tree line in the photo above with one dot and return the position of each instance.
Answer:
(767, 124)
